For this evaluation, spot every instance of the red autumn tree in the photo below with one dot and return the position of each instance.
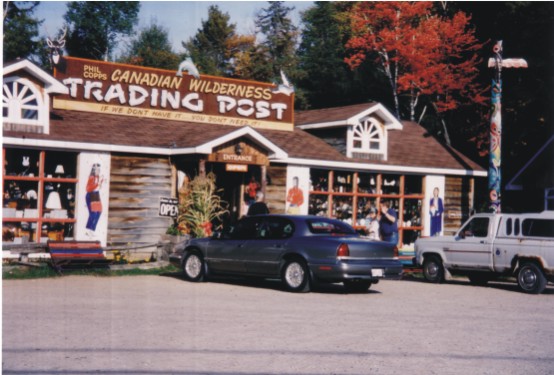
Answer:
(424, 55)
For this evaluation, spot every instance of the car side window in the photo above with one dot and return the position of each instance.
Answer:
(246, 228)
(477, 227)
(275, 228)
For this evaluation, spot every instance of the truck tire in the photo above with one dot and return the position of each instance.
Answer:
(530, 278)
(433, 269)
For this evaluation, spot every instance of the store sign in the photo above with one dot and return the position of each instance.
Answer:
(236, 167)
(126, 90)
(169, 207)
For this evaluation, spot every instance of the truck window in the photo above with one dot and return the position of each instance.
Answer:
(509, 227)
(478, 227)
(538, 228)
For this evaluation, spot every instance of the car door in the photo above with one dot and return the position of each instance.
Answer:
(226, 254)
(263, 253)
(472, 247)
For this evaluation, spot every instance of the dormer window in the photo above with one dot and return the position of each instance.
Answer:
(22, 102)
(368, 140)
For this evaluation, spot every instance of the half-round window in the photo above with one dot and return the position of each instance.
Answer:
(21, 102)
(368, 137)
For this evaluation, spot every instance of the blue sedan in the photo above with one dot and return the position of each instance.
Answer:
(299, 250)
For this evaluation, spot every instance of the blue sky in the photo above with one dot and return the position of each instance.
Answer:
(182, 19)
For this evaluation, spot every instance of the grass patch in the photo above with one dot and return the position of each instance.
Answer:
(44, 271)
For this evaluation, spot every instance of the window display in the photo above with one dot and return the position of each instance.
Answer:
(38, 195)
(351, 195)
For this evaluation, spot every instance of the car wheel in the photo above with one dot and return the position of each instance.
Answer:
(356, 286)
(530, 278)
(296, 276)
(193, 266)
(478, 279)
(433, 270)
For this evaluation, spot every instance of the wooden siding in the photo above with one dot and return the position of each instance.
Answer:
(458, 202)
(276, 191)
(136, 185)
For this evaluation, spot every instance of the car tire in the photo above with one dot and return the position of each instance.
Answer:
(194, 266)
(356, 286)
(530, 278)
(433, 269)
(296, 276)
(478, 279)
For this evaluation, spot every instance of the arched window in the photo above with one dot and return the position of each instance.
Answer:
(368, 137)
(22, 102)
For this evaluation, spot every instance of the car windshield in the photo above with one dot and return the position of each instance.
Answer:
(333, 227)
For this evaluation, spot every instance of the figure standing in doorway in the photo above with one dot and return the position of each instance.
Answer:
(251, 190)
(436, 209)
(94, 204)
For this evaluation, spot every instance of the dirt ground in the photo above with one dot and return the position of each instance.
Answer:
(164, 325)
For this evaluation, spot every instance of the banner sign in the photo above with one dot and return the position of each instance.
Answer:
(169, 207)
(127, 90)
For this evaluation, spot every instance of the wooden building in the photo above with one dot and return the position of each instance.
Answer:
(127, 137)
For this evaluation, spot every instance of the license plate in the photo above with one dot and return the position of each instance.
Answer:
(377, 272)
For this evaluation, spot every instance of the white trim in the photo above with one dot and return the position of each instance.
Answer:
(380, 167)
(51, 85)
(390, 121)
(42, 106)
(207, 148)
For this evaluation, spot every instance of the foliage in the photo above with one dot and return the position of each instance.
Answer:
(152, 48)
(280, 40)
(95, 26)
(20, 30)
(327, 80)
(200, 205)
(43, 271)
(423, 54)
(216, 45)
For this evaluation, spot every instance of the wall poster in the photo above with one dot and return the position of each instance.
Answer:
(298, 187)
(93, 194)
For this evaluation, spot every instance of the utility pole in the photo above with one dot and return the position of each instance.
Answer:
(495, 161)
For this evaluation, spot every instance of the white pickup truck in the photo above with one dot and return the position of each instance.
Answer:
(492, 245)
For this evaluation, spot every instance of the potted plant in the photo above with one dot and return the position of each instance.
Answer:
(200, 206)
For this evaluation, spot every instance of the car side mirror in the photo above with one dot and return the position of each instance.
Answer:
(461, 235)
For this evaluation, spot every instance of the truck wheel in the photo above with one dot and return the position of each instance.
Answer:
(433, 270)
(530, 278)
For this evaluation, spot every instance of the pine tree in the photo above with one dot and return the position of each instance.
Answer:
(152, 48)
(95, 27)
(20, 39)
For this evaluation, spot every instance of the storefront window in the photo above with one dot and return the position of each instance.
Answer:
(38, 195)
(351, 195)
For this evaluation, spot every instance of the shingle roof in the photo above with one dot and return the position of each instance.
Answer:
(315, 116)
(410, 147)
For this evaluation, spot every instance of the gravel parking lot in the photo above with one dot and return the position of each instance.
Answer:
(164, 325)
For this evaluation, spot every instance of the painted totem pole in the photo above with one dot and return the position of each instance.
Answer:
(495, 161)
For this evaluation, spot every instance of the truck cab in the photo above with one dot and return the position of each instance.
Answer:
(491, 245)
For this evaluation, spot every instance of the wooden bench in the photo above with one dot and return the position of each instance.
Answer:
(67, 255)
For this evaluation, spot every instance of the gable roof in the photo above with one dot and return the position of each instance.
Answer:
(51, 84)
(343, 116)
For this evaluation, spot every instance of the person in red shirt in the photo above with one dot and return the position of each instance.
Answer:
(295, 197)
(252, 189)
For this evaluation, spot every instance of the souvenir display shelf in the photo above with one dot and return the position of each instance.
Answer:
(38, 200)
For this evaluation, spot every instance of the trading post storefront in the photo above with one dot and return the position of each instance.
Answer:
(101, 150)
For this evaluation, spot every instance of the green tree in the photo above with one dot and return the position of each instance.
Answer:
(152, 48)
(95, 26)
(20, 37)
(211, 47)
(280, 39)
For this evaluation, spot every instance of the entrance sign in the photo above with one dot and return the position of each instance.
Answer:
(169, 207)
(127, 90)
